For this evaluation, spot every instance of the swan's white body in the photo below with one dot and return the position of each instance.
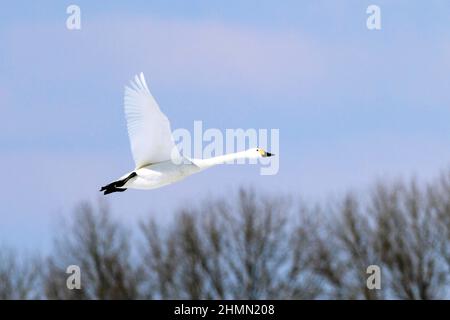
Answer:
(158, 162)
(159, 174)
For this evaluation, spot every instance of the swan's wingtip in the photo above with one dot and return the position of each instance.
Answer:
(142, 77)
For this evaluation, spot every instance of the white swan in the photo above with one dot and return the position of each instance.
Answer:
(158, 162)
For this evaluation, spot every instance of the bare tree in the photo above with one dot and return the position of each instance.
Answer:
(101, 248)
(439, 202)
(344, 250)
(408, 241)
(400, 229)
(19, 276)
(247, 250)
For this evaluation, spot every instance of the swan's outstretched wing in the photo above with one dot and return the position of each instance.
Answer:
(148, 128)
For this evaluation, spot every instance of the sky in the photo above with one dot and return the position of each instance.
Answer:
(352, 105)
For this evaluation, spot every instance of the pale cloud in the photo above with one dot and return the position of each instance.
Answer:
(214, 56)
(187, 53)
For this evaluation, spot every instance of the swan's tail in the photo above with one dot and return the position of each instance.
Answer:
(116, 185)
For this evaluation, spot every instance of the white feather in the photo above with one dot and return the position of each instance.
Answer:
(148, 128)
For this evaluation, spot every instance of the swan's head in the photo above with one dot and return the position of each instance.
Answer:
(259, 153)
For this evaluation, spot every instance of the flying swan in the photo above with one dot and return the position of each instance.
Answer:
(158, 162)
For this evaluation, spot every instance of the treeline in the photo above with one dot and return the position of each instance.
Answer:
(253, 246)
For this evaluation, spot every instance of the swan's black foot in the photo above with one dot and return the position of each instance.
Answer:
(112, 190)
(116, 185)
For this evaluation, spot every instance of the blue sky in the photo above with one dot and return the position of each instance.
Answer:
(352, 105)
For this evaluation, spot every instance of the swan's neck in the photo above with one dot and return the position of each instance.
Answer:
(207, 163)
